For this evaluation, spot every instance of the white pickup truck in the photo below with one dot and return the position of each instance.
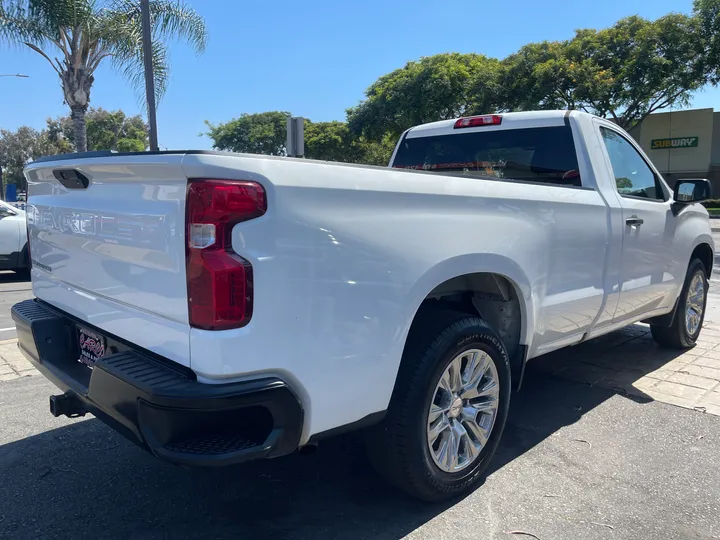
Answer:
(216, 308)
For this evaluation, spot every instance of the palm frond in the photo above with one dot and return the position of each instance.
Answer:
(40, 21)
(44, 55)
(62, 13)
(170, 20)
(133, 69)
(121, 31)
(18, 25)
(176, 20)
(88, 31)
(161, 69)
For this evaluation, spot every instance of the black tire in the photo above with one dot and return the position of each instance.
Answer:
(398, 446)
(23, 273)
(677, 336)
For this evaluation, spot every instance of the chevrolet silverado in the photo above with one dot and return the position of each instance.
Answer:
(216, 308)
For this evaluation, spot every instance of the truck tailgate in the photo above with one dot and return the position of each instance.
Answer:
(113, 253)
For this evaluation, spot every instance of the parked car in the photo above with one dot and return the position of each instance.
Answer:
(13, 239)
(216, 308)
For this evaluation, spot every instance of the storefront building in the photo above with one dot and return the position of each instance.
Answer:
(683, 144)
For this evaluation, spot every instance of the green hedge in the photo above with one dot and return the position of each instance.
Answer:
(711, 203)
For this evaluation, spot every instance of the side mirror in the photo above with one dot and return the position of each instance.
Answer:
(692, 190)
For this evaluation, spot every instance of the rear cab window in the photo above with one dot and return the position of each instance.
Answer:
(544, 154)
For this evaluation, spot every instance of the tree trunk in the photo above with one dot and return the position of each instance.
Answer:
(76, 84)
(78, 118)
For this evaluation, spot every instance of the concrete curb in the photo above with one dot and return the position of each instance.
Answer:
(7, 341)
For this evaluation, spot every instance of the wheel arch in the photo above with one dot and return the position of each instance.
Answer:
(704, 252)
(492, 287)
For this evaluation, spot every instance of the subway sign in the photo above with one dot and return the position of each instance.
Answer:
(678, 142)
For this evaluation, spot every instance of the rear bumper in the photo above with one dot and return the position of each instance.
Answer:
(158, 404)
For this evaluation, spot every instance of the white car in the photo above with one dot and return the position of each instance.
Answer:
(13, 239)
(216, 308)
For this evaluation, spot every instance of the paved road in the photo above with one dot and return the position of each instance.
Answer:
(13, 289)
(576, 462)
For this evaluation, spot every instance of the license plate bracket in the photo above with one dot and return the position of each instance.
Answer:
(91, 346)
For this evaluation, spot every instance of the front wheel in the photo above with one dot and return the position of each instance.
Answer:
(687, 323)
(448, 409)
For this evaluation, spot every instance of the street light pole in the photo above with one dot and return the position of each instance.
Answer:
(14, 75)
(149, 77)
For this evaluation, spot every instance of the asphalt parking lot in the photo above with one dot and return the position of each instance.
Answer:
(577, 461)
(13, 289)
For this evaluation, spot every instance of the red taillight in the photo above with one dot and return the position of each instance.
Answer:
(476, 121)
(219, 281)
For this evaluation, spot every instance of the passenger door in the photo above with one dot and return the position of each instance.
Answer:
(648, 273)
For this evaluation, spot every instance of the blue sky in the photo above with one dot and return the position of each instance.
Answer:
(313, 58)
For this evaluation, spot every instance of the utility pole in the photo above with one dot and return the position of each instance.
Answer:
(149, 77)
(295, 145)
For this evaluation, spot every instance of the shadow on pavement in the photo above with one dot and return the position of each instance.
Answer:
(85, 481)
(8, 276)
(627, 361)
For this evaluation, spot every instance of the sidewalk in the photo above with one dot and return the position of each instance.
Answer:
(629, 362)
(12, 363)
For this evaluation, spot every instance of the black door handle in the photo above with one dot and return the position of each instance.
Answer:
(634, 221)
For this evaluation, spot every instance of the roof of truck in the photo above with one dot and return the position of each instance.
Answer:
(512, 120)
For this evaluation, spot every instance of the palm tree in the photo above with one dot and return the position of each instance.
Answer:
(75, 36)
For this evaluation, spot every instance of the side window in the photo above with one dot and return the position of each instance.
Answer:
(633, 176)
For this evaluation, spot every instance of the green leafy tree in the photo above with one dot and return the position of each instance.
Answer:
(624, 72)
(115, 131)
(330, 141)
(433, 88)
(538, 76)
(106, 130)
(266, 133)
(76, 36)
(376, 152)
(21, 146)
(131, 145)
(333, 141)
(707, 12)
(260, 133)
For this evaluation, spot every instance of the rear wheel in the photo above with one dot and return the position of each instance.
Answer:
(448, 409)
(690, 314)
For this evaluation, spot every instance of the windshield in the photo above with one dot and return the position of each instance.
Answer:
(535, 154)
